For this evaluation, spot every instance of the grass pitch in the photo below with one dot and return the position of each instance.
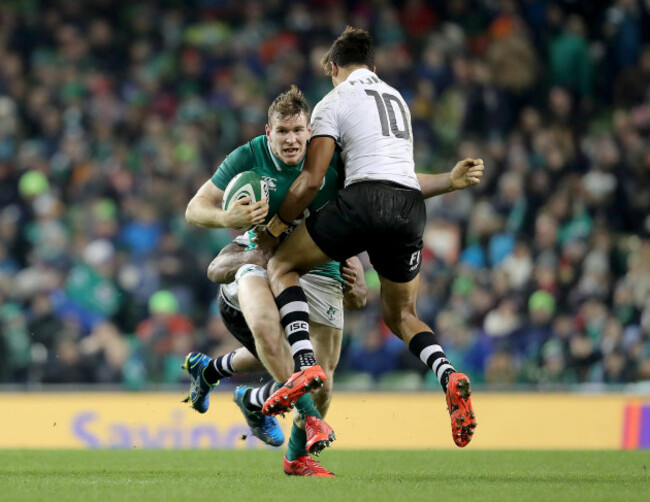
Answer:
(242, 475)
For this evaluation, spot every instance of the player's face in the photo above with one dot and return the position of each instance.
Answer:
(288, 137)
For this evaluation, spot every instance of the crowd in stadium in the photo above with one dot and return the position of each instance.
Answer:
(112, 114)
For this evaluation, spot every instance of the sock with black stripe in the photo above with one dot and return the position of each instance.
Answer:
(425, 346)
(255, 398)
(294, 316)
(220, 367)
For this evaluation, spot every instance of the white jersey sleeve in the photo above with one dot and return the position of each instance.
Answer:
(371, 123)
(324, 121)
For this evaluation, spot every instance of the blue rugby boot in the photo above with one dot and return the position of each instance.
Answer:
(262, 426)
(195, 363)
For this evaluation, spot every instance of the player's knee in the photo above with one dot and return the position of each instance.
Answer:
(328, 367)
(262, 326)
(277, 267)
(272, 268)
(328, 384)
(326, 390)
(266, 330)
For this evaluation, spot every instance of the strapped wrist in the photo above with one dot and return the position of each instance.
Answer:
(287, 223)
(276, 226)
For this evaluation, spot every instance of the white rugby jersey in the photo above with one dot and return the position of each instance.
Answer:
(371, 123)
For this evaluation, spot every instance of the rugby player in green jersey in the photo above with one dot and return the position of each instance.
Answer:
(246, 303)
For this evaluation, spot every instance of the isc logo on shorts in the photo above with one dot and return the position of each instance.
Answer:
(297, 326)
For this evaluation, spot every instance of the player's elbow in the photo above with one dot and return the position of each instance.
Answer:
(190, 212)
(313, 186)
(312, 183)
(219, 273)
(214, 274)
(308, 193)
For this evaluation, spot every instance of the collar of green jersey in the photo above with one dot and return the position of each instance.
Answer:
(281, 166)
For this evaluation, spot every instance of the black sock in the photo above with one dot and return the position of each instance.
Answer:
(425, 346)
(294, 316)
(255, 398)
(219, 368)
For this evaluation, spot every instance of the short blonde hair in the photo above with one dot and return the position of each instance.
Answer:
(289, 104)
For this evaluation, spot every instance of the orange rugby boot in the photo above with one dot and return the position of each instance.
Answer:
(306, 466)
(459, 404)
(319, 434)
(298, 384)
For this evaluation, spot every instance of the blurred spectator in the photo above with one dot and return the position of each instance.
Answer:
(15, 340)
(623, 27)
(108, 352)
(90, 290)
(374, 353)
(537, 330)
(70, 365)
(215, 339)
(570, 61)
(164, 338)
(501, 370)
(631, 85)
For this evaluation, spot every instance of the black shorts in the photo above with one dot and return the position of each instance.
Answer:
(236, 324)
(383, 218)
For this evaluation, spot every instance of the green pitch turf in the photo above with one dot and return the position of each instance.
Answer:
(138, 475)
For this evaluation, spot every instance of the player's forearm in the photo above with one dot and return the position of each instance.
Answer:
(355, 291)
(201, 212)
(435, 184)
(300, 195)
(355, 297)
(224, 267)
(305, 188)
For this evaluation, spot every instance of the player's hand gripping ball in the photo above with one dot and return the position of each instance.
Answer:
(249, 185)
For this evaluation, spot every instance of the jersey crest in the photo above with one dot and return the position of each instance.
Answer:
(271, 182)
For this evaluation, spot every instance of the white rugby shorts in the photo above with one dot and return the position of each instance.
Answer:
(324, 295)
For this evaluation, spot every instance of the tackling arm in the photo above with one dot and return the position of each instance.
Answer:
(354, 294)
(305, 188)
(223, 268)
(466, 173)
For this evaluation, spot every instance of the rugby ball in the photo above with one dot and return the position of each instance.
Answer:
(246, 184)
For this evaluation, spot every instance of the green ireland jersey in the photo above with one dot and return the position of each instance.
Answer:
(256, 156)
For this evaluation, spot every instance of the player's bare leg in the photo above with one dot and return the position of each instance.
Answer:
(258, 306)
(398, 300)
(296, 254)
(262, 317)
(327, 347)
(245, 362)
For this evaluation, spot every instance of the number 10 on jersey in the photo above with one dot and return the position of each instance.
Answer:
(387, 114)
